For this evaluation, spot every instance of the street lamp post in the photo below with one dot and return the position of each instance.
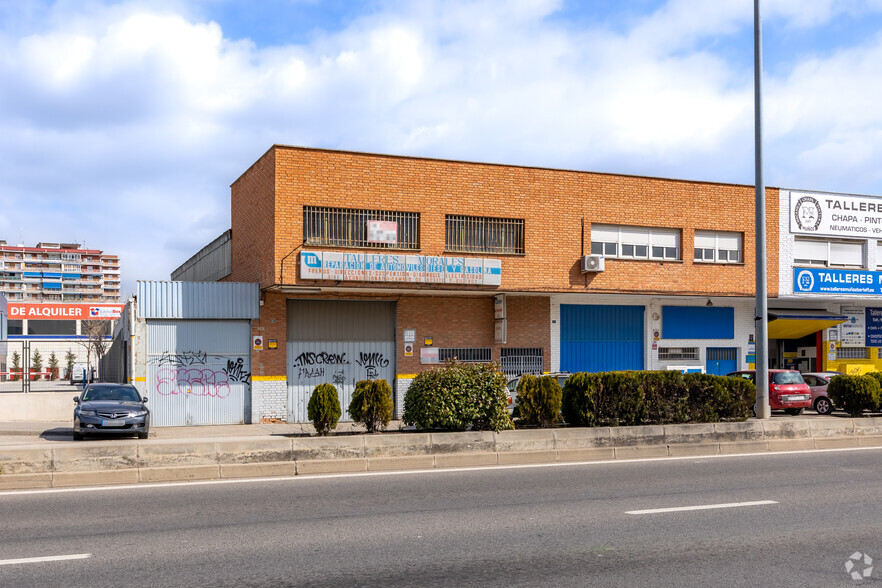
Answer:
(762, 310)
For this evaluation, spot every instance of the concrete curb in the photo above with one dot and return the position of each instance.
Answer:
(76, 464)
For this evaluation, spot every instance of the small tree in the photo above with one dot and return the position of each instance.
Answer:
(37, 361)
(69, 359)
(539, 400)
(16, 366)
(53, 366)
(324, 408)
(95, 343)
(372, 404)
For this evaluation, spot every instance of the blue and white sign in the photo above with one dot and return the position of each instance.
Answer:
(379, 267)
(832, 281)
(874, 327)
(311, 265)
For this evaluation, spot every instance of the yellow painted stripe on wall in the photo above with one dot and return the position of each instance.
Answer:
(405, 376)
(140, 379)
(268, 378)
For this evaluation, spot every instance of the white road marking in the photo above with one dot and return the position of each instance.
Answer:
(303, 478)
(28, 560)
(700, 507)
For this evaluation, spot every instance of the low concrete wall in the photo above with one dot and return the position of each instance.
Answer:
(131, 461)
(37, 406)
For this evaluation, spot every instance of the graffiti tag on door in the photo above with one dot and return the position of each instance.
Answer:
(194, 381)
(371, 362)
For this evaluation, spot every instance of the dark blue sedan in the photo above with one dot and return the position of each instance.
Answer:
(110, 409)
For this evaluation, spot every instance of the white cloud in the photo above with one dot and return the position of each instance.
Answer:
(128, 124)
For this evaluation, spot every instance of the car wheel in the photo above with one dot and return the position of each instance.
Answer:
(143, 435)
(77, 436)
(823, 405)
(794, 411)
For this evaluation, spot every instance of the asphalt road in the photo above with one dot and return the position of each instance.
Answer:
(532, 526)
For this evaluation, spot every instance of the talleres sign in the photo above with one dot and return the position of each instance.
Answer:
(370, 267)
(835, 214)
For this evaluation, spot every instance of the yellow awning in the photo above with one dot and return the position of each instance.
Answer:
(799, 323)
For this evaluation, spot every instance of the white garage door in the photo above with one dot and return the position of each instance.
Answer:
(198, 372)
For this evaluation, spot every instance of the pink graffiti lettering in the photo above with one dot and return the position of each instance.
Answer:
(198, 382)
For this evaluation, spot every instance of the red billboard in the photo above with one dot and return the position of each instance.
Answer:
(62, 311)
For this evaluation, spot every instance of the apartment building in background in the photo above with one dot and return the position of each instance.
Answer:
(58, 272)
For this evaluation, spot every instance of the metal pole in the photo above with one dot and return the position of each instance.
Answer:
(762, 309)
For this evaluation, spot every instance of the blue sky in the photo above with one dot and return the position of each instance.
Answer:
(122, 124)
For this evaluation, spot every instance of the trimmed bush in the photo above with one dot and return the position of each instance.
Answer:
(324, 408)
(855, 394)
(662, 397)
(372, 404)
(458, 396)
(539, 400)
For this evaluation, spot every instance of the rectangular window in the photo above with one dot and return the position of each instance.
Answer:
(518, 360)
(678, 353)
(718, 247)
(852, 353)
(635, 242)
(466, 354)
(348, 227)
(479, 234)
(698, 322)
(813, 252)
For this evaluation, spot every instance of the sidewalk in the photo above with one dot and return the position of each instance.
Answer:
(35, 432)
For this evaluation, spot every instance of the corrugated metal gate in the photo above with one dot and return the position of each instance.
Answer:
(339, 343)
(595, 338)
(198, 371)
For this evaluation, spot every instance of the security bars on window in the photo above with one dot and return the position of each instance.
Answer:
(479, 234)
(519, 360)
(348, 227)
(466, 354)
(678, 353)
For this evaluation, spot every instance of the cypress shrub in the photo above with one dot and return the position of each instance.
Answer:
(855, 394)
(539, 400)
(372, 404)
(458, 396)
(579, 399)
(324, 408)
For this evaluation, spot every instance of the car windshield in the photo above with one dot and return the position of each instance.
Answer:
(122, 393)
(787, 378)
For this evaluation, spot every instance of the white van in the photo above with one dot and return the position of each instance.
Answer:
(77, 371)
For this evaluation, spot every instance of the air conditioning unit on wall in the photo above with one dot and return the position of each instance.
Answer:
(592, 263)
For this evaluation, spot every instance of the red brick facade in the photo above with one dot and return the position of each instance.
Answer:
(267, 234)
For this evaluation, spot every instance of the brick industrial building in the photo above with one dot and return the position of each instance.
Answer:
(381, 266)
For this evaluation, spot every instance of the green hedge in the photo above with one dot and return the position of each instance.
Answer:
(371, 404)
(539, 400)
(458, 396)
(646, 397)
(856, 394)
(324, 408)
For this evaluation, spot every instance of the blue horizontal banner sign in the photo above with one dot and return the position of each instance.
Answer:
(829, 281)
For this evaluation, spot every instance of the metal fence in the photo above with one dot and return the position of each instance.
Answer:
(521, 360)
(28, 367)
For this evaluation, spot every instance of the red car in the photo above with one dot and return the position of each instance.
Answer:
(787, 390)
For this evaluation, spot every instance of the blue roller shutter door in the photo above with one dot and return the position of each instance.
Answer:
(601, 338)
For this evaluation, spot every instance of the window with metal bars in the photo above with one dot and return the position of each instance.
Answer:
(678, 352)
(521, 360)
(348, 227)
(466, 354)
(482, 234)
(852, 353)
